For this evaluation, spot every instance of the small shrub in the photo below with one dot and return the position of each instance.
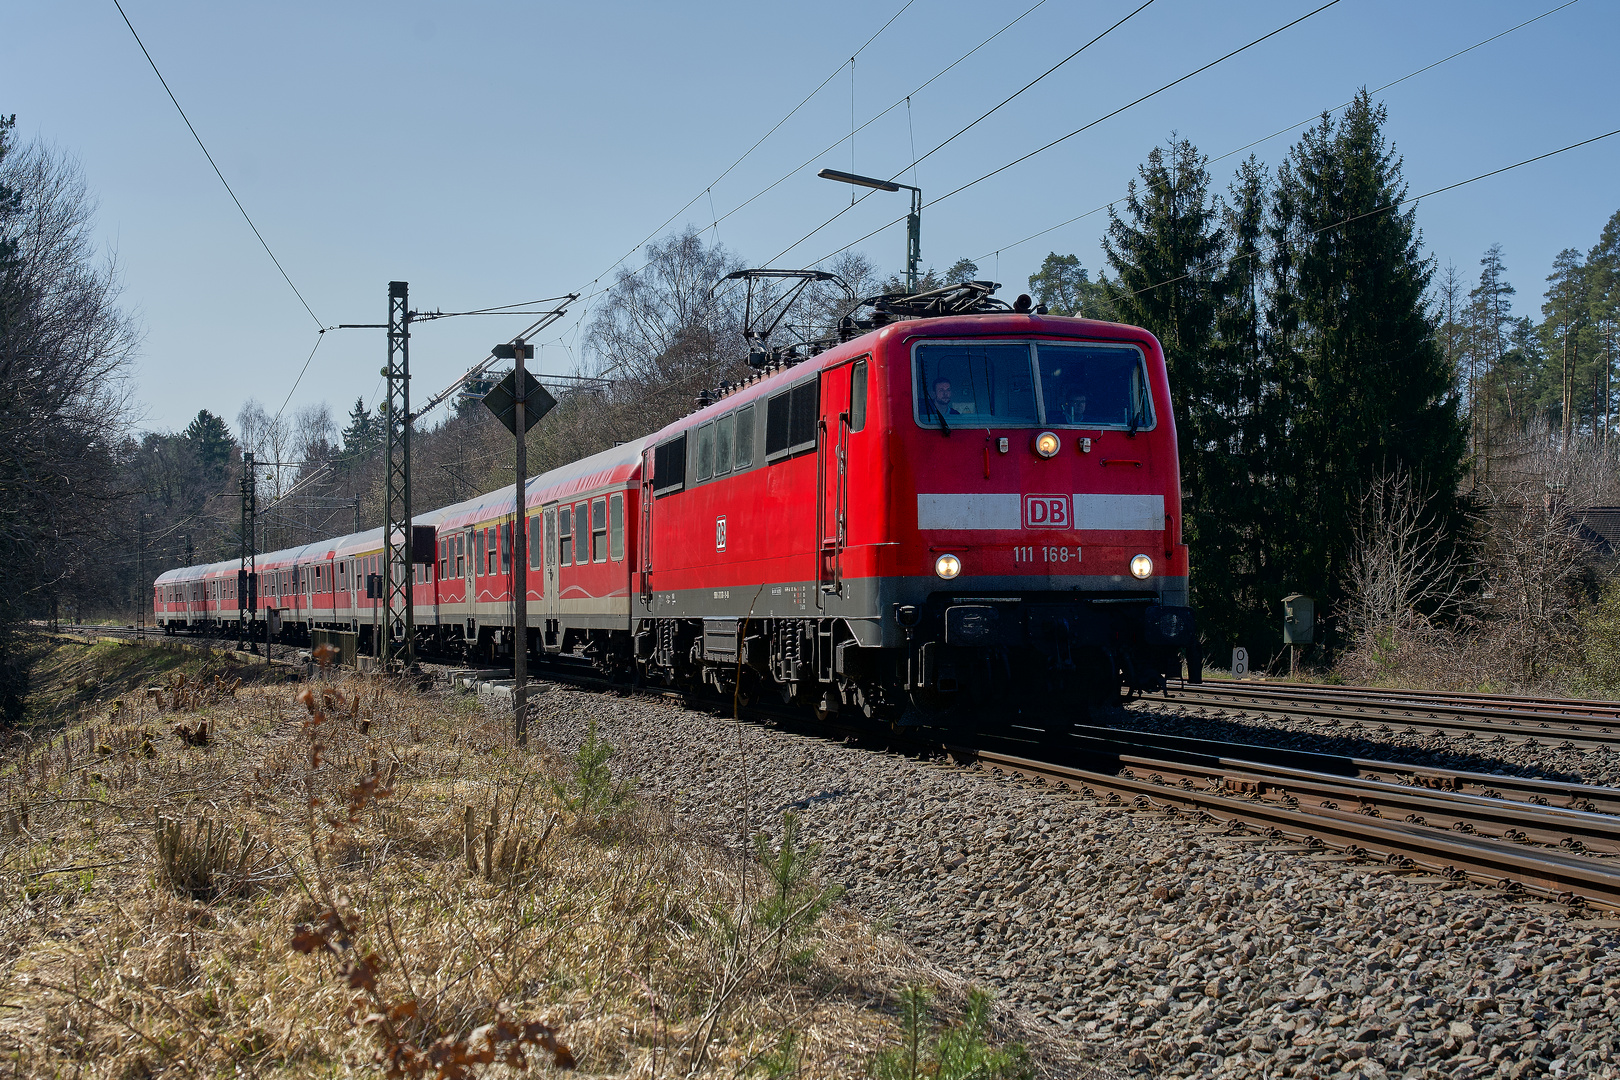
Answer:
(589, 792)
(796, 900)
(959, 1052)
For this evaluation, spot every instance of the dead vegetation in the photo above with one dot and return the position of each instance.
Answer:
(353, 876)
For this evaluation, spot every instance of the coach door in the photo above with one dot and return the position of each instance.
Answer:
(832, 479)
(550, 602)
(644, 534)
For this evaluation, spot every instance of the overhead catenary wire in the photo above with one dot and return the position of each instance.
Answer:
(756, 145)
(798, 168)
(245, 217)
(1221, 263)
(1299, 124)
(1055, 142)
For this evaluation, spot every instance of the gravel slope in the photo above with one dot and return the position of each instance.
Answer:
(1147, 944)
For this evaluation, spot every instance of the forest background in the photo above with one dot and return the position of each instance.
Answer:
(1356, 422)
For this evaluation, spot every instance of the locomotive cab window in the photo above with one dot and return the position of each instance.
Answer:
(1094, 386)
(669, 466)
(857, 396)
(1023, 384)
(980, 382)
(599, 530)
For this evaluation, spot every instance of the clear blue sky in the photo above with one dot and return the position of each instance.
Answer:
(494, 152)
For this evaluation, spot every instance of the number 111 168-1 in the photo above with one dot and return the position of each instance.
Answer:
(1042, 553)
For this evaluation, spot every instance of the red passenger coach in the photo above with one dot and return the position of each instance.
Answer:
(959, 503)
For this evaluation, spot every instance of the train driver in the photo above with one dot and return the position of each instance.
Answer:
(1074, 407)
(941, 401)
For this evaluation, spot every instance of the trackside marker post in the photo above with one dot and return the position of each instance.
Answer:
(519, 402)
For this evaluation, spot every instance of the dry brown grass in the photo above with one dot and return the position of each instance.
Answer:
(377, 919)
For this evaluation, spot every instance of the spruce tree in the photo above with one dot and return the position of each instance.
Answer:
(364, 433)
(1164, 251)
(1369, 389)
(211, 444)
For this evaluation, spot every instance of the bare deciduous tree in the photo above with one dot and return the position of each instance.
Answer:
(65, 349)
(1403, 575)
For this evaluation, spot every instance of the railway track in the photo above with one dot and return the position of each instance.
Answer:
(1594, 708)
(1508, 832)
(1390, 713)
(1505, 843)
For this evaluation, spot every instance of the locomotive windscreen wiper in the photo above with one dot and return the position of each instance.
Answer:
(943, 426)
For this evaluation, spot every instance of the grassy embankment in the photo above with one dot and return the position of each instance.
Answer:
(217, 877)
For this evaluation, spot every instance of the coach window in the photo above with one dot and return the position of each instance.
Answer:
(444, 557)
(551, 530)
(479, 564)
(494, 550)
(669, 466)
(582, 533)
(565, 544)
(704, 462)
(536, 542)
(743, 441)
(616, 527)
(723, 429)
(506, 548)
(857, 397)
(599, 530)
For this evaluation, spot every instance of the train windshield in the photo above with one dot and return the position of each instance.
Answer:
(1094, 385)
(983, 382)
(1024, 383)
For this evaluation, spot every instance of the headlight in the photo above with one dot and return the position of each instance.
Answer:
(1047, 444)
(1141, 566)
(947, 566)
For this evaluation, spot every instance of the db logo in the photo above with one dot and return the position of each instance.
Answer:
(1047, 512)
(720, 533)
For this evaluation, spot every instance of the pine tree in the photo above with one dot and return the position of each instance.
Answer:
(1491, 315)
(1065, 288)
(1603, 308)
(1565, 323)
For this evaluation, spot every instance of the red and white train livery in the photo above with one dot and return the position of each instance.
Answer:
(941, 511)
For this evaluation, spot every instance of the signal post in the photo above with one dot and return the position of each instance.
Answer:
(519, 402)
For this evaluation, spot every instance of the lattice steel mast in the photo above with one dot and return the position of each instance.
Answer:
(399, 635)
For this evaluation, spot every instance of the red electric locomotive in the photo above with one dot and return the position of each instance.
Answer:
(980, 505)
